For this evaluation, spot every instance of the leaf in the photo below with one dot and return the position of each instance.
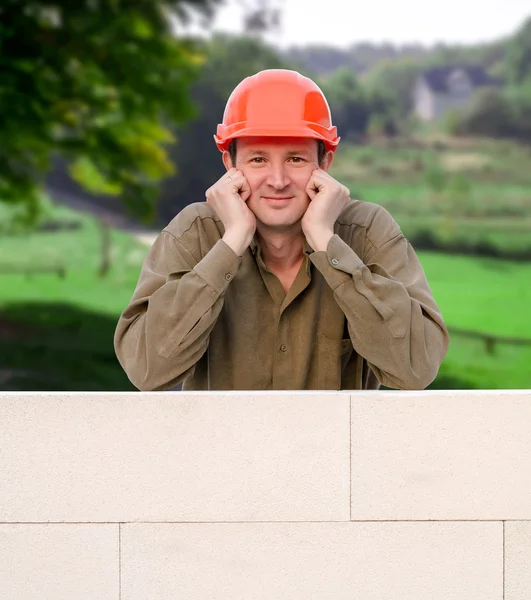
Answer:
(85, 172)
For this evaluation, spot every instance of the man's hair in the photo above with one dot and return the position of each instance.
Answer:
(321, 151)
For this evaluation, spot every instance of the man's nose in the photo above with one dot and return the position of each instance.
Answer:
(278, 178)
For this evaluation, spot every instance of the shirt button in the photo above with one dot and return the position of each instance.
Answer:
(334, 261)
(283, 347)
(228, 276)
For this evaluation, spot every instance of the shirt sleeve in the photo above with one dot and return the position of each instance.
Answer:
(393, 320)
(165, 329)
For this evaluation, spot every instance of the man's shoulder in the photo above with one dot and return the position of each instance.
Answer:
(192, 218)
(377, 222)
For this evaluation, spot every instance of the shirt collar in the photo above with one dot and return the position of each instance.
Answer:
(256, 250)
(255, 247)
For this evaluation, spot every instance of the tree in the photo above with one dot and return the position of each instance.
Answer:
(489, 114)
(260, 17)
(93, 80)
(519, 100)
(503, 113)
(348, 102)
(396, 78)
(518, 56)
(317, 59)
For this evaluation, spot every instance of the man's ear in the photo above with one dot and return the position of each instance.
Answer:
(327, 160)
(227, 160)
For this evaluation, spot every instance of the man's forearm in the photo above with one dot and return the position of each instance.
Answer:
(165, 329)
(393, 320)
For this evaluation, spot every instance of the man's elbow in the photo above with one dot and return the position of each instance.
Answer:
(420, 380)
(143, 378)
(408, 380)
(416, 374)
(424, 373)
(146, 376)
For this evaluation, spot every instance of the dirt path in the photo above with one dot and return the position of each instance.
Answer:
(142, 233)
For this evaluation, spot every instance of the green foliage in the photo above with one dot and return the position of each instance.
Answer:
(92, 81)
(497, 113)
(518, 56)
(381, 124)
(489, 114)
(459, 186)
(348, 102)
(15, 219)
(519, 99)
(446, 198)
(366, 59)
(434, 176)
(318, 60)
(451, 122)
(358, 109)
(486, 55)
(60, 330)
(63, 347)
(396, 78)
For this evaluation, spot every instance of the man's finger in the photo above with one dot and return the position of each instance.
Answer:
(245, 189)
(313, 186)
(239, 184)
(312, 192)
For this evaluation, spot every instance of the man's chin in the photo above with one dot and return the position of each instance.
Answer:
(279, 219)
(278, 225)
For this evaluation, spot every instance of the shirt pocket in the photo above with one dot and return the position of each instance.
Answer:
(332, 355)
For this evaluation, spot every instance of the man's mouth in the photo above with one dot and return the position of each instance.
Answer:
(278, 197)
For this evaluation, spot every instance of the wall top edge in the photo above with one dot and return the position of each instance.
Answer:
(355, 394)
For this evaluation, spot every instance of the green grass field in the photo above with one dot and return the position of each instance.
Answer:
(56, 334)
(465, 196)
(78, 251)
(489, 296)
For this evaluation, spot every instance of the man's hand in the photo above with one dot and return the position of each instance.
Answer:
(228, 198)
(328, 199)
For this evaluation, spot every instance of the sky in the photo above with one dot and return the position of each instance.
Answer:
(345, 22)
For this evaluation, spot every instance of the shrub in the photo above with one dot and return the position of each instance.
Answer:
(452, 122)
(460, 185)
(489, 114)
(435, 176)
(494, 113)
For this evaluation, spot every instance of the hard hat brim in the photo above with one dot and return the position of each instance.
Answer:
(327, 135)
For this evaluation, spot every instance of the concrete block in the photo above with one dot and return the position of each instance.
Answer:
(59, 562)
(452, 455)
(518, 560)
(174, 457)
(313, 561)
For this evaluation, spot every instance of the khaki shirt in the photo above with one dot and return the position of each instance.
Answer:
(359, 315)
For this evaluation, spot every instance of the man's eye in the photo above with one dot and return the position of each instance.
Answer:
(297, 159)
(257, 158)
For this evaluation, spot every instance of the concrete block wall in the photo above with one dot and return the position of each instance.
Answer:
(266, 496)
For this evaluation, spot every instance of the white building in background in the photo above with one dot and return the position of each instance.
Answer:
(441, 89)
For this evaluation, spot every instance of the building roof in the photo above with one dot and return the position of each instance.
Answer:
(437, 78)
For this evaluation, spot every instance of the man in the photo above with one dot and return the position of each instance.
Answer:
(279, 280)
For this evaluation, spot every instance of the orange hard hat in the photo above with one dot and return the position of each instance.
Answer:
(277, 102)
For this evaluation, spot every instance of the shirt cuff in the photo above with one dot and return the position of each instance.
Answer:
(219, 267)
(338, 263)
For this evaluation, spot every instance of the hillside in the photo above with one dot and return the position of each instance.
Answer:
(362, 58)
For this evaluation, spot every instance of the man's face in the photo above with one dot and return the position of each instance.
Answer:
(277, 170)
